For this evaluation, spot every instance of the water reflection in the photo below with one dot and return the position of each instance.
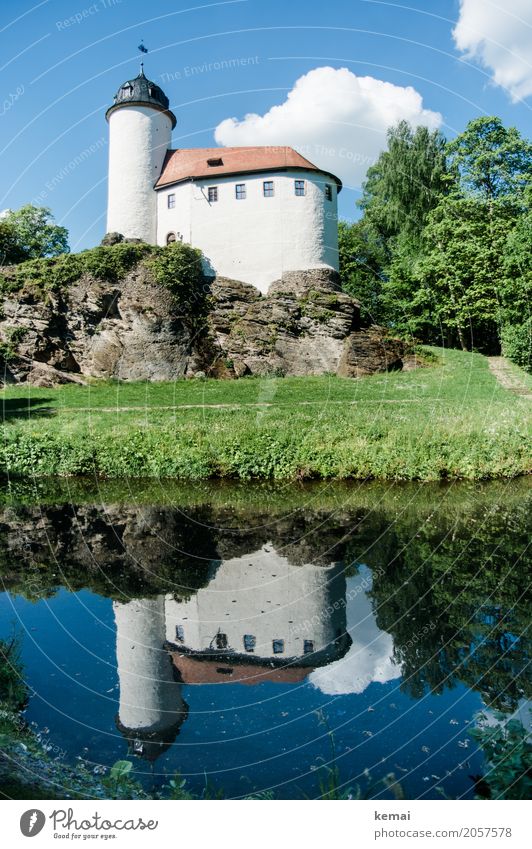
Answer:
(422, 594)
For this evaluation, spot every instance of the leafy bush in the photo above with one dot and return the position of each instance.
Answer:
(508, 753)
(178, 267)
(517, 344)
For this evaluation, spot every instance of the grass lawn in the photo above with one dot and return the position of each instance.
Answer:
(451, 419)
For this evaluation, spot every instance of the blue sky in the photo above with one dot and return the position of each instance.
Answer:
(224, 60)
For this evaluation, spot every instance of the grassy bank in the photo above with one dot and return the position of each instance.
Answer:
(451, 419)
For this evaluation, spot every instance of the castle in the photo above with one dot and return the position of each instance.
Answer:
(254, 212)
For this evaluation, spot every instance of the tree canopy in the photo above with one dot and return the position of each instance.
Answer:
(443, 250)
(30, 233)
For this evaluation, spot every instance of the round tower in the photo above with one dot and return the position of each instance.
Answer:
(140, 129)
(151, 709)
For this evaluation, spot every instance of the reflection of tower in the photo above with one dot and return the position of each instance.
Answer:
(260, 618)
(151, 706)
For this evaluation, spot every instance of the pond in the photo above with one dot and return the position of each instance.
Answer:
(252, 638)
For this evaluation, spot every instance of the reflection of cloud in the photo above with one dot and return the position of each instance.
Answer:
(333, 117)
(499, 37)
(370, 656)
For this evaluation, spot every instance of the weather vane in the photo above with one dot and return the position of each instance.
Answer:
(142, 48)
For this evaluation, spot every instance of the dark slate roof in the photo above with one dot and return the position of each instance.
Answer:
(142, 91)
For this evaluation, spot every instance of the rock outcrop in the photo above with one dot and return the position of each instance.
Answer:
(132, 330)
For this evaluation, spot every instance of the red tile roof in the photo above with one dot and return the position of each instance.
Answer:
(193, 163)
(195, 670)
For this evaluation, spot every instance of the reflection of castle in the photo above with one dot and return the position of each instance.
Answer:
(260, 618)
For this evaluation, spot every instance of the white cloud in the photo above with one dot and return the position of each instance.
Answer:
(333, 117)
(499, 36)
(369, 658)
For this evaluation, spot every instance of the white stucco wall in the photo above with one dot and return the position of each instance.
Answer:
(150, 698)
(138, 140)
(264, 595)
(257, 239)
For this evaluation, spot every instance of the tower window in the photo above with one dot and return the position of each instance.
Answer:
(249, 642)
(240, 191)
(328, 191)
(221, 640)
(299, 187)
(170, 238)
(171, 201)
(179, 633)
(278, 646)
(267, 188)
(308, 646)
(212, 193)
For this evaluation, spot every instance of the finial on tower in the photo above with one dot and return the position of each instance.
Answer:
(142, 69)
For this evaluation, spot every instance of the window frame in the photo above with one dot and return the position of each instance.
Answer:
(170, 200)
(240, 191)
(212, 190)
(328, 192)
(278, 646)
(300, 188)
(266, 192)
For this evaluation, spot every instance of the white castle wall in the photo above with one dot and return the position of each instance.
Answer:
(257, 239)
(139, 137)
(150, 698)
(263, 595)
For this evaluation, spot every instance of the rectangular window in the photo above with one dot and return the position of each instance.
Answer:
(299, 187)
(179, 633)
(212, 192)
(240, 191)
(308, 646)
(278, 646)
(171, 201)
(267, 188)
(249, 642)
(328, 191)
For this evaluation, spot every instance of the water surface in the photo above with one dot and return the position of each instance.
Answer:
(249, 637)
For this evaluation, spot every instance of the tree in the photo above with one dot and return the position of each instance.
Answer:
(462, 267)
(361, 259)
(405, 183)
(401, 189)
(30, 233)
(490, 160)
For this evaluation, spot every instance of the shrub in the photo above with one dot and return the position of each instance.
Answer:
(516, 343)
(178, 267)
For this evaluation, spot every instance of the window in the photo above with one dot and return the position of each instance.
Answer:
(213, 163)
(170, 238)
(328, 191)
(179, 633)
(299, 187)
(240, 191)
(212, 194)
(308, 646)
(171, 201)
(267, 188)
(249, 642)
(278, 646)
(221, 640)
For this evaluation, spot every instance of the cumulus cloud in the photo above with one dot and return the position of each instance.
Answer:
(498, 35)
(335, 118)
(369, 658)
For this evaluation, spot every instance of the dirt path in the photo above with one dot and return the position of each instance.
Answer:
(504, 373)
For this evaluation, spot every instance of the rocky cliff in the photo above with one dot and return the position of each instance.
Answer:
(133, 329)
